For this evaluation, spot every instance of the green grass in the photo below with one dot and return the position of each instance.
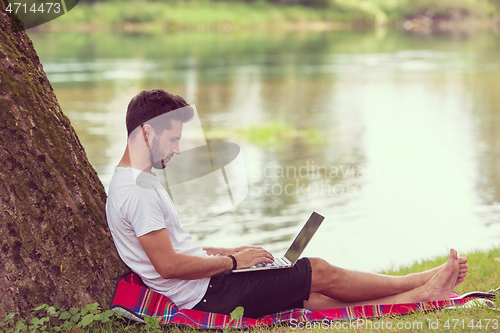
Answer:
(484, 275)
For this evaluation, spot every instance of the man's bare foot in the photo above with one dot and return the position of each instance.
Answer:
(463, 268)
(462, 271)
(442, 283)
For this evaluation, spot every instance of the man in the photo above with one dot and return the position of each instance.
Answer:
(151, 241)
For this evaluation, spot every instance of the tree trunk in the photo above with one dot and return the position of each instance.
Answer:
(55, 245)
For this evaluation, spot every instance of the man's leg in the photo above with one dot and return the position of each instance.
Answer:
(335, 287)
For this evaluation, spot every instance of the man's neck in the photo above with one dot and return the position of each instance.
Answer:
(126, 162)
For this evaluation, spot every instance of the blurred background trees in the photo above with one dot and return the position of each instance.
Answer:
(182, 14)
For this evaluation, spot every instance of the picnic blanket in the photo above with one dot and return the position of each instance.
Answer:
(134, 300)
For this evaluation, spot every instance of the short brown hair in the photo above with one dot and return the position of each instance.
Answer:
(149, 104)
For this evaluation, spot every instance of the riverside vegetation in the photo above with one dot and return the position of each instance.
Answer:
(212, 15)
(484, 275)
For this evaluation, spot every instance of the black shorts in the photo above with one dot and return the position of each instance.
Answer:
(259, 293)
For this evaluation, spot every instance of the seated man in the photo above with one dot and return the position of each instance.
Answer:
(151, 241)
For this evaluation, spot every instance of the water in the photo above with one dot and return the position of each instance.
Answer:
(393, 138)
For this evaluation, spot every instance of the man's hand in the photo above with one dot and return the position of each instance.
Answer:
(248, 256)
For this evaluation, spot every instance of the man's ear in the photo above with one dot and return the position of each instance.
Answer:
(146, 131)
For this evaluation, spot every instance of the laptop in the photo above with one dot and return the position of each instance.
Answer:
(294, 251)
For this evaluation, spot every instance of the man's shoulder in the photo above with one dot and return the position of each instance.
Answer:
(128, 178)
(134, 202)
(127, 184)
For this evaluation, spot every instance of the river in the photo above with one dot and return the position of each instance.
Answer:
(393, 137)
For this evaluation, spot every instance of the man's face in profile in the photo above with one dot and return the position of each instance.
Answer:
(166, 145)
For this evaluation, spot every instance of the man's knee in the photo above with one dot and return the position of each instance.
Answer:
(322, 271)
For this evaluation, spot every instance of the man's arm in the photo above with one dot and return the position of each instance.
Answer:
(172, 265)
(213, 251)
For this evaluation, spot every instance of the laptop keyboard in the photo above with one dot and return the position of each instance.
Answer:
(265, 264)
(278, 262)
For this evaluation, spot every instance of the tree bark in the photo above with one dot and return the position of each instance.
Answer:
(55, 245)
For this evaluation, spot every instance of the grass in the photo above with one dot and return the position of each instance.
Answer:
(484, 275)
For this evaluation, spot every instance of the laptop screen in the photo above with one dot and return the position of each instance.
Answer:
(304, 236)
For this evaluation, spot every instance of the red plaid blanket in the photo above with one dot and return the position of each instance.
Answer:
(133, 299)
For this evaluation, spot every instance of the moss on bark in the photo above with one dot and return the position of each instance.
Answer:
(55, 245)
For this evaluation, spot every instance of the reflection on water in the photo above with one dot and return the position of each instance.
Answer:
(394, 139)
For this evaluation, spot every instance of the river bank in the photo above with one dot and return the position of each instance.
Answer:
(220, 16)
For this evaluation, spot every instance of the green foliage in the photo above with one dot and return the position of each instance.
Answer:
(235, 316)
(54, 318)
(370, 8)
(152, 322)
(204, 15)
(445, 8)
(91, 318)
(266, 134)
(270, 134)
(305, 3)
(216, 15)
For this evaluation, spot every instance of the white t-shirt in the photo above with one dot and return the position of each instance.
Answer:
(138, 204)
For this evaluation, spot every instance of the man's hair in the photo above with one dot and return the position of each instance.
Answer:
(149, 104)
